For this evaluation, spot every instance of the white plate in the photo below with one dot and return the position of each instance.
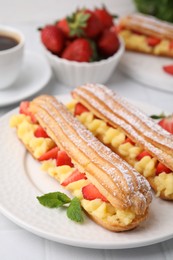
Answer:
(22, 180)
(148, 70)
(34, 76)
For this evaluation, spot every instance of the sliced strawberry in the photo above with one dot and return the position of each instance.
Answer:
(33, 118)
(75, 176)
(142, 154)
(51, 154)
(171, 45)
(152, 41)
(168, 69)
(167, 123)
(40, 132)
(90, 192)
(136, 32)
(116, 29)
(79, 109)
(24, 109)
(128, 140)
(162, 168)
(63, 159)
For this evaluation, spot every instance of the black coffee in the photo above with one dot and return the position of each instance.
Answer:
(7, 42)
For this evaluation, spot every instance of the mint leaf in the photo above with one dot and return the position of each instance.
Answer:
(54, 199)
(74, 211)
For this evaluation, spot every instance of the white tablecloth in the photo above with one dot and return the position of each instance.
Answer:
(17, 243)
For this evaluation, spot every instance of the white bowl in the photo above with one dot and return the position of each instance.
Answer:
(74, 73)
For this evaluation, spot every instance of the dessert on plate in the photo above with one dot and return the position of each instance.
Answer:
(147, 34)
(129, 132)
(111, 192)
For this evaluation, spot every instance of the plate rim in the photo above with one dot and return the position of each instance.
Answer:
(139, 77)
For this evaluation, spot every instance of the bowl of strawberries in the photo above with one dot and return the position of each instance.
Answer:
(83, 47)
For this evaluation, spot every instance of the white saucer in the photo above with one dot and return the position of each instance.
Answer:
(148, 70)
(34, 76)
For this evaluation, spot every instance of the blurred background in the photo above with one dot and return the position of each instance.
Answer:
(39, 10)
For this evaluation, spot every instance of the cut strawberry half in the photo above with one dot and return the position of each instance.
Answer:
(168, 69)
(143, 154)
(24, 109)
(162, 168)
(167, 123)
(40, 132)
(116, 29)
(152, 41)
(51, 154)
(75, 176)
(79, 109)
(90, 192)
(63, 159)
(128, 140)
(171, 45)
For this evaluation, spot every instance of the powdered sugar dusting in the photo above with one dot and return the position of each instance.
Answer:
(137, 118)
(153, 24)
(95, 102)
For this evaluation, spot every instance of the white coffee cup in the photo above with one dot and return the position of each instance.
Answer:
(11, 59)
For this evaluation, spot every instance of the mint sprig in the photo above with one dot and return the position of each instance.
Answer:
(54, 199)
(74, 211)
(59, 199)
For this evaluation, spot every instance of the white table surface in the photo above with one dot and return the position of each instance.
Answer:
(17, 243)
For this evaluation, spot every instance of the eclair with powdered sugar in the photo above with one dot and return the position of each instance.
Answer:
(112, 193)
(129, 132)
(147, 34)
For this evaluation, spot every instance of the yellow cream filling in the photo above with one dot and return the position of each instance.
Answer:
(25, 132)
(139, 42)
(164, 183)
(98, 208)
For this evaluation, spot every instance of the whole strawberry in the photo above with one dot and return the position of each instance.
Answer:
(168, 69)
(64, 27)
(78, 50)
(108, 43)
(105, 17)
(167, 123)
(93, 25)
(81, 23)
(52, 38)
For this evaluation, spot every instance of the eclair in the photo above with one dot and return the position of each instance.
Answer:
(111, 192)
(147, 34)
(129, 132)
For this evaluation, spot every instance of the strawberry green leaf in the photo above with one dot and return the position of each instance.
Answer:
(82, 18)
(54, 199)
(76, 22)
(74, 211)
(162, 115)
